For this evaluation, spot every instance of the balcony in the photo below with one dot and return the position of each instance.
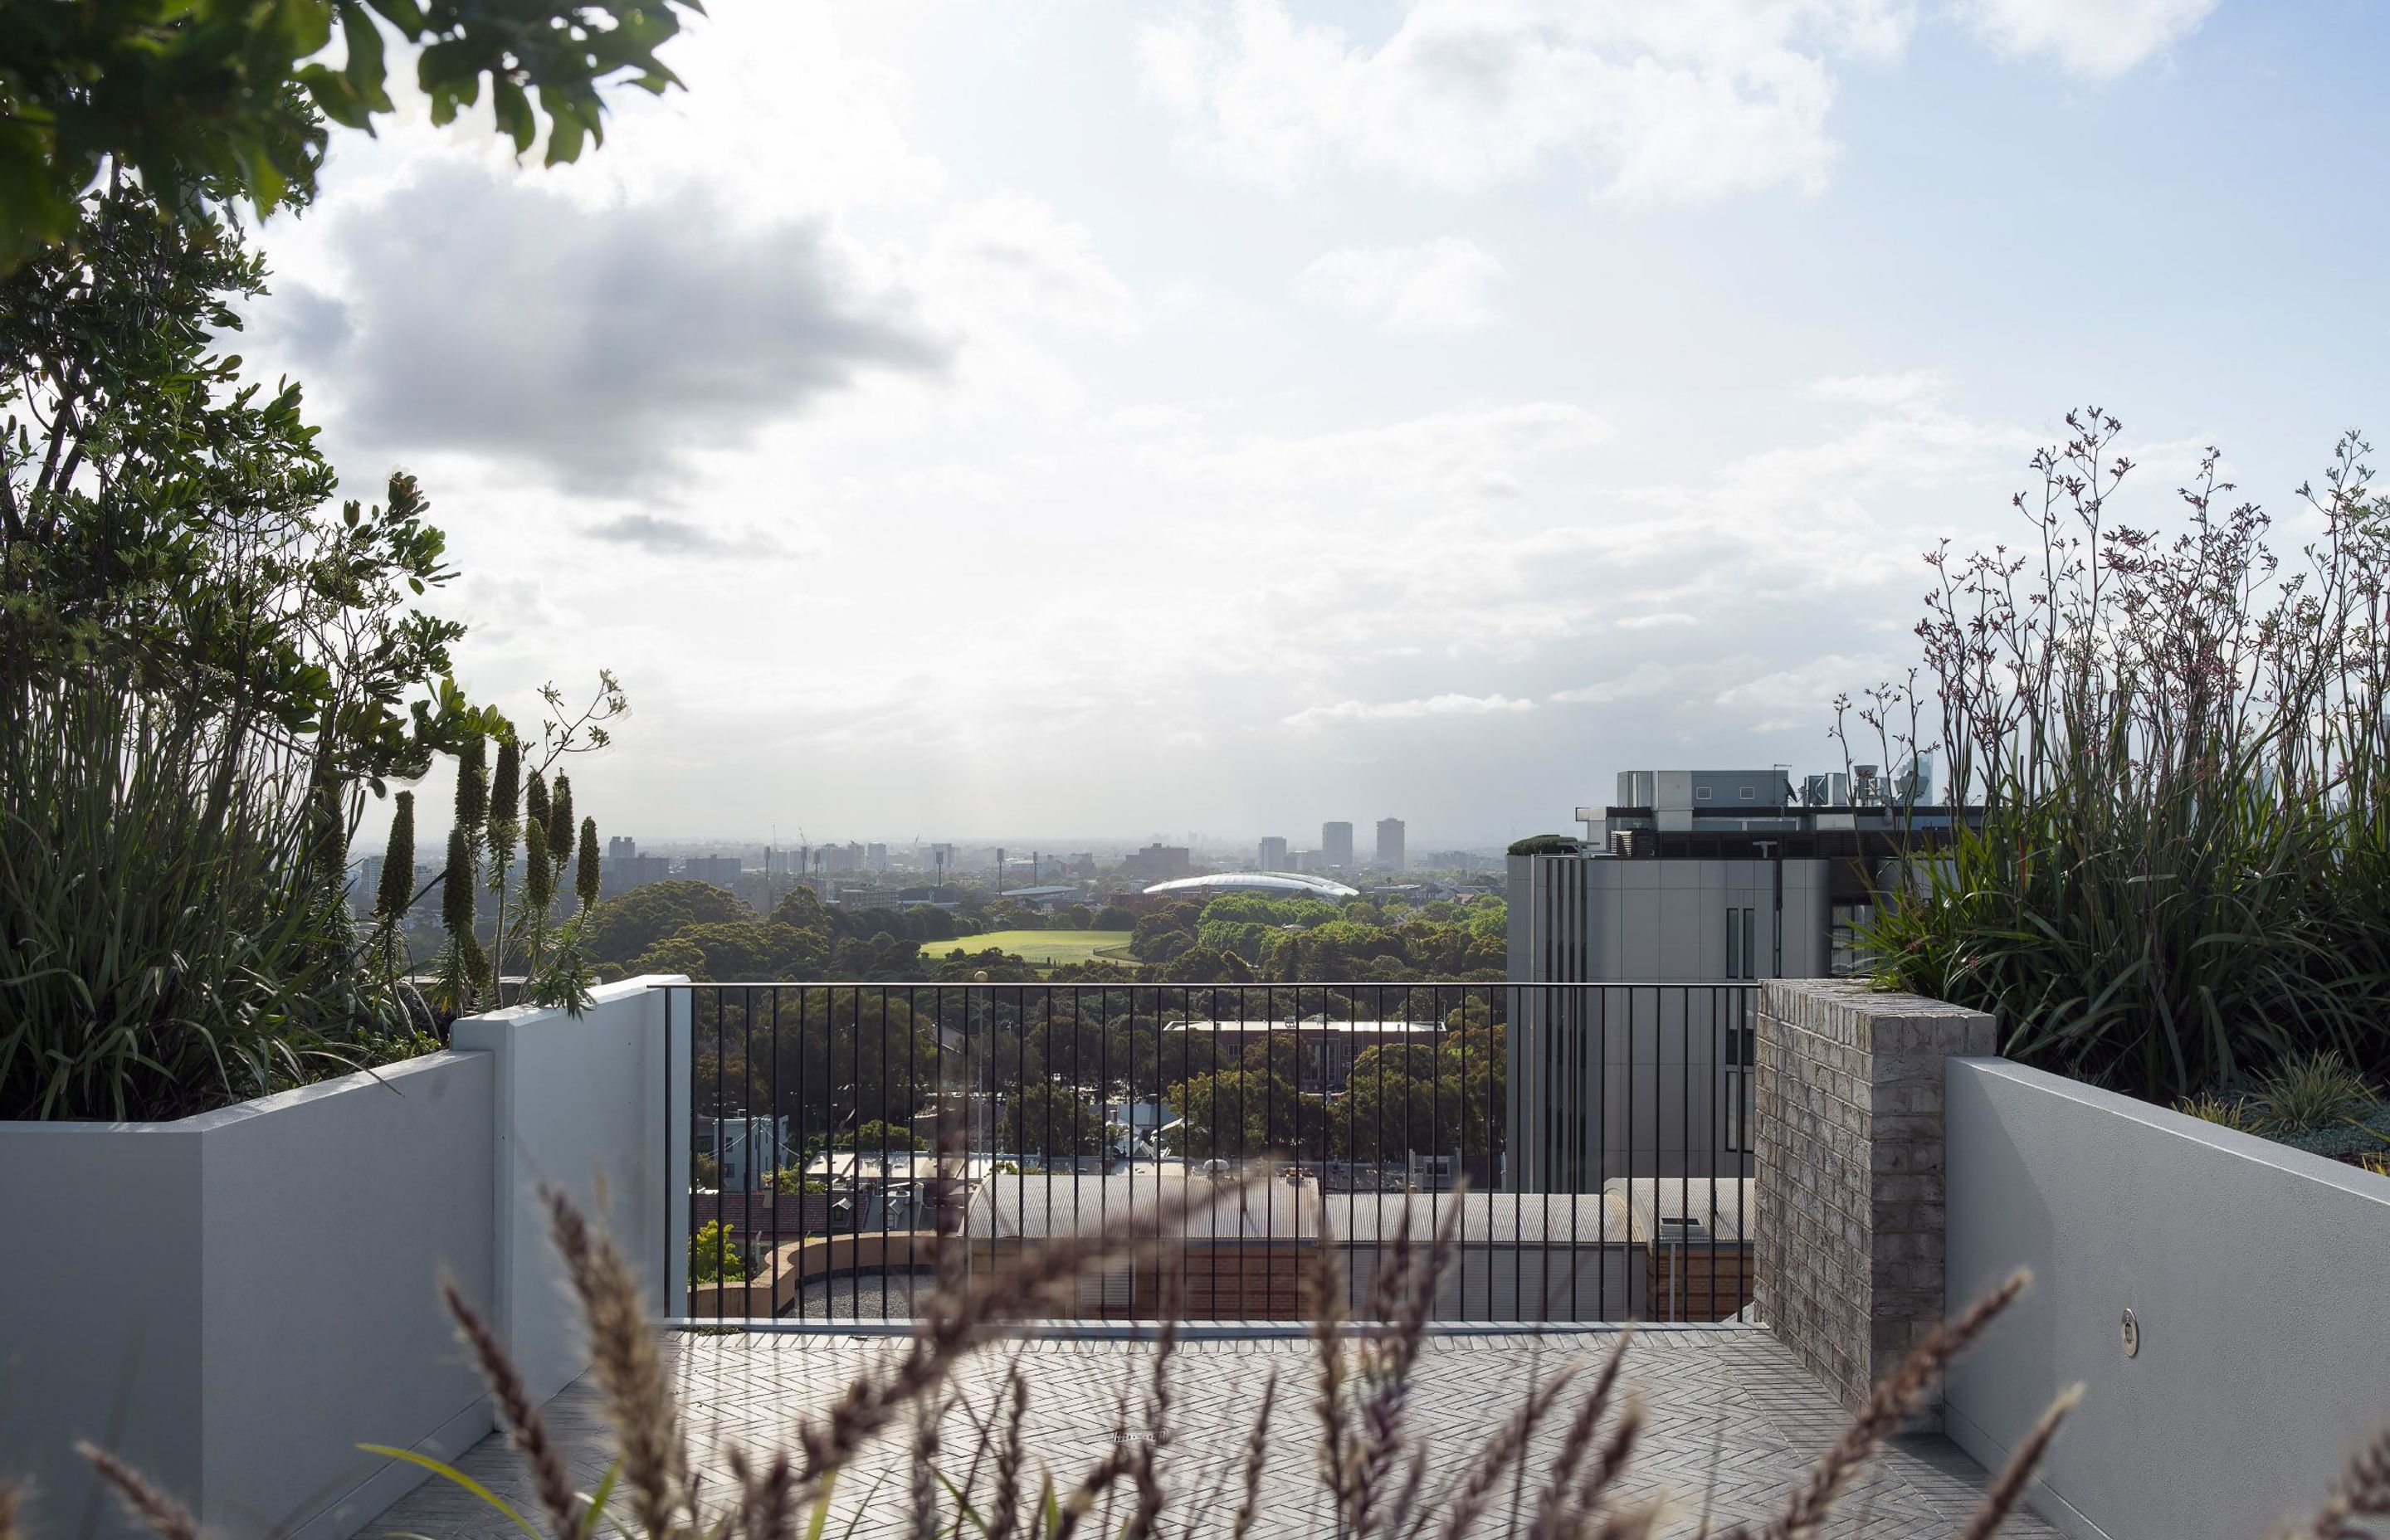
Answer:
(1691, 1147)
(838, 1146)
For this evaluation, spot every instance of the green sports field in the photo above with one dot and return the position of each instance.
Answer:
(1047, 948)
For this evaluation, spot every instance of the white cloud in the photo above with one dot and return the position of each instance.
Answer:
(1408, 711)
(1438, 287)
(1914, 388)
(1013, 258)
(2100, 39)
(1668, 101)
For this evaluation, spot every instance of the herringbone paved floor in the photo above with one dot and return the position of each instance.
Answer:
(1732, 1421)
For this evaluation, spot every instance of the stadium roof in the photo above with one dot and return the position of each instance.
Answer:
(1283, 884)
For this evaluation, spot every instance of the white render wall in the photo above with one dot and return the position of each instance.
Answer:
(2256, 1273)
(234, 1301)
(582, 1104)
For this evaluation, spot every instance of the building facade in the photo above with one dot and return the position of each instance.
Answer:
(1159, 862)
(1336, 844)
(1695, 884)
(1390, 844)
(1273, 855)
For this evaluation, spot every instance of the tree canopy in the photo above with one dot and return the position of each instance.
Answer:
(206, 100)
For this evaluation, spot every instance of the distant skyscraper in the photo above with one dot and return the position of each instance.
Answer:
(1390, 844)
(1273, 854)
(1336, 844)
(1159, 862)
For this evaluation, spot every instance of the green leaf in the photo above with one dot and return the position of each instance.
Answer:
(599, 1498)
(367, 71)
(442, 1469)
(516, 119)
(821, 1506)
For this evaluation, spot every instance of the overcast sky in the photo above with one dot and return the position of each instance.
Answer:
(1062, 418)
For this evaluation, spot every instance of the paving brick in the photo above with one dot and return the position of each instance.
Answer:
(1734, 1419)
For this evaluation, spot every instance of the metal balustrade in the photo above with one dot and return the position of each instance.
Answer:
(847, 1142)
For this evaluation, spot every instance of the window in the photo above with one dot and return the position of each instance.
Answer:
(1700, 793)
(1742, 944)
(1738, 1079)
(1750, 793)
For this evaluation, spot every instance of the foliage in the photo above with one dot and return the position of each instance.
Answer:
(1251, 1108)
(2229, 1112)
(1043, 1118)
(165, 521)
(629, 925)
(1407, 1099)
(714, 1255)
(205, 99)
(162, 954)
(557, 963)
(1547, 845)
(2312, 1091)
(203, 671)
(2182, 754)
(878, 1134)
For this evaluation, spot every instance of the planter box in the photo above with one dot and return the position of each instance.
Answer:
(2254, 1274)
(233, 1302)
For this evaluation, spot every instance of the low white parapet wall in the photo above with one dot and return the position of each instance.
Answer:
(582, 1104)
(234, 1301)
(2258, 1280)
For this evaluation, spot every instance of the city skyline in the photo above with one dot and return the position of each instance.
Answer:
(1213, 414)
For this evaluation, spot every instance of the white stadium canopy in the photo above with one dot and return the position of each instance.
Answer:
(1276, 884)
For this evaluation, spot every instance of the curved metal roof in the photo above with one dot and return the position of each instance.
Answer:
(1285, 884)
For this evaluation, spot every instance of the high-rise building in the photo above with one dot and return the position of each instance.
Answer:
(1390, 844)
(1159, 862)
(1336, 844)
(720, 870)
(624, 869)
(875, 856)
(1273, 854)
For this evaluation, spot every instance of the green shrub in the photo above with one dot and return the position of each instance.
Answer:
(2312, 1092)
(714, 1255)
(2217, 1108)
(2182, 871)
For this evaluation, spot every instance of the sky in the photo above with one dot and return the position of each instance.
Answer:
(1053, 420)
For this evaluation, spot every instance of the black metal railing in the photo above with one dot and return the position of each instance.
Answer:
(843, 1143)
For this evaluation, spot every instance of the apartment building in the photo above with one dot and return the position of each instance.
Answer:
(1633, 949)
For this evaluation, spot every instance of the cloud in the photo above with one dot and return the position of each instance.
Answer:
(1013, 257)
(1665, 101)
(1408, 711)
(1438, 287)
(660, 535)
(604, 348)
(2099, 39)
(1914, 388)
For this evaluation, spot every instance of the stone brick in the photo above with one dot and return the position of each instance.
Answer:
(1850, 1203)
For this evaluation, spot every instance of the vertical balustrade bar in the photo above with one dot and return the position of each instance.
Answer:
(804, 1154)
